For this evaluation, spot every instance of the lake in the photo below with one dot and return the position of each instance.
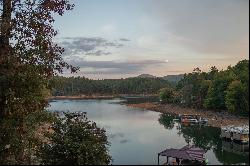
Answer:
(138, 135)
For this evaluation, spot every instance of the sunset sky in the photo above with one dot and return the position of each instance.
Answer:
(125, 38)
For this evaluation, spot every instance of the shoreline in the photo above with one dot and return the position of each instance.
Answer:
(215, 119)
(80, 97)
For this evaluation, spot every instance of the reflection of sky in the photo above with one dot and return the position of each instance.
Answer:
(135, 135)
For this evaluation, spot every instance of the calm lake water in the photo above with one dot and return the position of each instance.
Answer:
(137, 135)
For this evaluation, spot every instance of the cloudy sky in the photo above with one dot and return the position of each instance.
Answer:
(124, 38)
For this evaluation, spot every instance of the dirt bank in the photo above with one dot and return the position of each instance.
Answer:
(215, 119)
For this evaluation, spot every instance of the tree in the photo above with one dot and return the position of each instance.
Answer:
(28, 58)
(192, 87)
(205, 85)
(236, 98)
(215, 98)
(166, 95)
(75, 141)
(28, 54)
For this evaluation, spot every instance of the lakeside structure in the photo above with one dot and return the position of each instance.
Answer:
(236, 133)
(190, 118)
(184, 156)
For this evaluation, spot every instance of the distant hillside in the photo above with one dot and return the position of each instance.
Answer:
(173, 78)
(170, 78)
(65, 86)
(146, 76)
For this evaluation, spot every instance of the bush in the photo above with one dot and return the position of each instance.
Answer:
(75, 141)
(166, 95)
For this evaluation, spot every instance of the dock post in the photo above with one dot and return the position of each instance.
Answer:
(158, 158)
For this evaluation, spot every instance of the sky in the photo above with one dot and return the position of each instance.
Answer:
(126, 38)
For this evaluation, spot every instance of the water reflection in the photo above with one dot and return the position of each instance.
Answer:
(137, 135)
(208, 138)
(140, 99)
(167, 120)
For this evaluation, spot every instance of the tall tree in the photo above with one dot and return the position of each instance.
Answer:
(27, 50)
(28, 57)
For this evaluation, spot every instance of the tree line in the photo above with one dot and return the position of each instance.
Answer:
(83, 86)
(218, 90)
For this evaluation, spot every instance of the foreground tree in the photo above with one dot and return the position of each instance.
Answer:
(75, 141)
(28, 57)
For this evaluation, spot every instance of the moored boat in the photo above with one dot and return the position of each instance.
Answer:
(236, 133)
(192, 119)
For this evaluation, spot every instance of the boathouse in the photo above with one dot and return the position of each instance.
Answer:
(190, 154)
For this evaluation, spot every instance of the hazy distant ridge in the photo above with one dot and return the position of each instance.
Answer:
(173, 78)
(146, 76)
(170, 78)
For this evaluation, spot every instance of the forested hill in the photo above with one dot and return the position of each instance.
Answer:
(173, 78)
(217, 90)
(63, 86)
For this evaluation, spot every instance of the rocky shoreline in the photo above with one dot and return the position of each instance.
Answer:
(215, 119)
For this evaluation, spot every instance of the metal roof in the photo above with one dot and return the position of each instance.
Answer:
(187, 152)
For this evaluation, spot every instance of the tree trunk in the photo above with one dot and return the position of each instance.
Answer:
(5, 28)
(6, 23)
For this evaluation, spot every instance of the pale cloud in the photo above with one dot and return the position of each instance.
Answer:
(113, 67)
(109, 29)
(124, 39)
(95, 46)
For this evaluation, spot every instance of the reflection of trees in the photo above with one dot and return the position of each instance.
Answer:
(228, 157)
(209, 138)
(205, 137)
(202, 136)
(167, 120)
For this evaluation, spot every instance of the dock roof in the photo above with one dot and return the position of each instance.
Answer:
(187, 152)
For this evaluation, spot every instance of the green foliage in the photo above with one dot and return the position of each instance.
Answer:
(166, 95)
(16, 148)
(218, 90)
(28, 57)
(83, 86)
(28, 54)
(75, 141)
(236, 98)
(216, 94)
(193, 87)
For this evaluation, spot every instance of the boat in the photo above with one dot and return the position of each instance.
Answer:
(192, 119)
(236, 133)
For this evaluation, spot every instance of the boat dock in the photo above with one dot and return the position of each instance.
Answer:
(235, 133)
(188, 155)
